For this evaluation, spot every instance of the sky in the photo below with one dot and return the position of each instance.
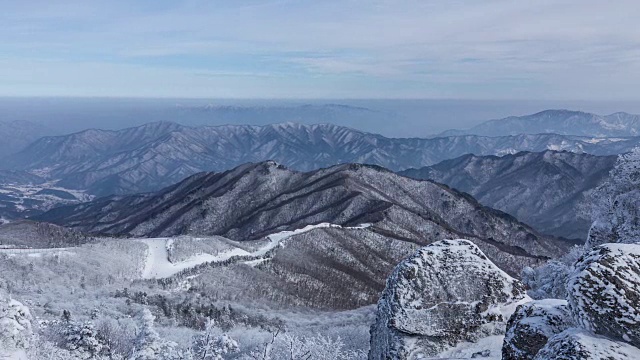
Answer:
(449, 49)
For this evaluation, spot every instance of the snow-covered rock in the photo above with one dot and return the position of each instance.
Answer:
(604, 292)
(575, 344)
(444, 294)
(531, 326)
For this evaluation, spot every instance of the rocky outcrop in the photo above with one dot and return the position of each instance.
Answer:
(604, 292)
(531, 326)
(575, 344)
(445, 293)
(603, 310)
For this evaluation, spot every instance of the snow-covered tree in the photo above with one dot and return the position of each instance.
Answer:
(291, 347)
(82, 340)
(15, 327)
(118, 335)
(212, 346)
(615, 204)
(148, 344)
(44, 349)
(550, 279)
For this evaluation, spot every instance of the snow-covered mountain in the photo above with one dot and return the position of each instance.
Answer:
(255, 200)
(564, 122)
(545, 190)
(154, 155)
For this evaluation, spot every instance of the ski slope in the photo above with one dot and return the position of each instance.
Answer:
(158, 266)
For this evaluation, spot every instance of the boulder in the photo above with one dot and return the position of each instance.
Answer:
(604, 292)
(576, 344)
(531, 326)
(444, 294)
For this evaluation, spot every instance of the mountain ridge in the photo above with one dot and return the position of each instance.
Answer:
(546, 190)
(155, 155)
(561, 121)
(254, 200)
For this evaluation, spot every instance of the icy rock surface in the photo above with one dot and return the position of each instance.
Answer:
(531, 326)
(575, 344)
(445, 293)
(604, 292)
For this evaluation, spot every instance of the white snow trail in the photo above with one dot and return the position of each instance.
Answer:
(158, 266)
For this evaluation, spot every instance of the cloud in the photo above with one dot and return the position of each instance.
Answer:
(461, 47)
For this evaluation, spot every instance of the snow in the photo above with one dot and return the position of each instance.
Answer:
(588, 345)
(36, 252)
(254, 263)
(277, 238)
(432, 300)
(492, 343)
(157, 264)
(605, 139)
(599, 290)
(14, 355)
(466, 350)
(551, 307)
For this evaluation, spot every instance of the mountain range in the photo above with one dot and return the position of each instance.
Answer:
(545, 190)
(258, 199)
(562, 122)
(149, 157)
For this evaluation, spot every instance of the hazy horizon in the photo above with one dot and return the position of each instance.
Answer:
(389, 117)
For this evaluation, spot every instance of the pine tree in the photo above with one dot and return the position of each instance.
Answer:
(149, 345)
(82, 340)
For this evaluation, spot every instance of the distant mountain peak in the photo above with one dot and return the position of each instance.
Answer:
(560, 111)
(558, 121)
